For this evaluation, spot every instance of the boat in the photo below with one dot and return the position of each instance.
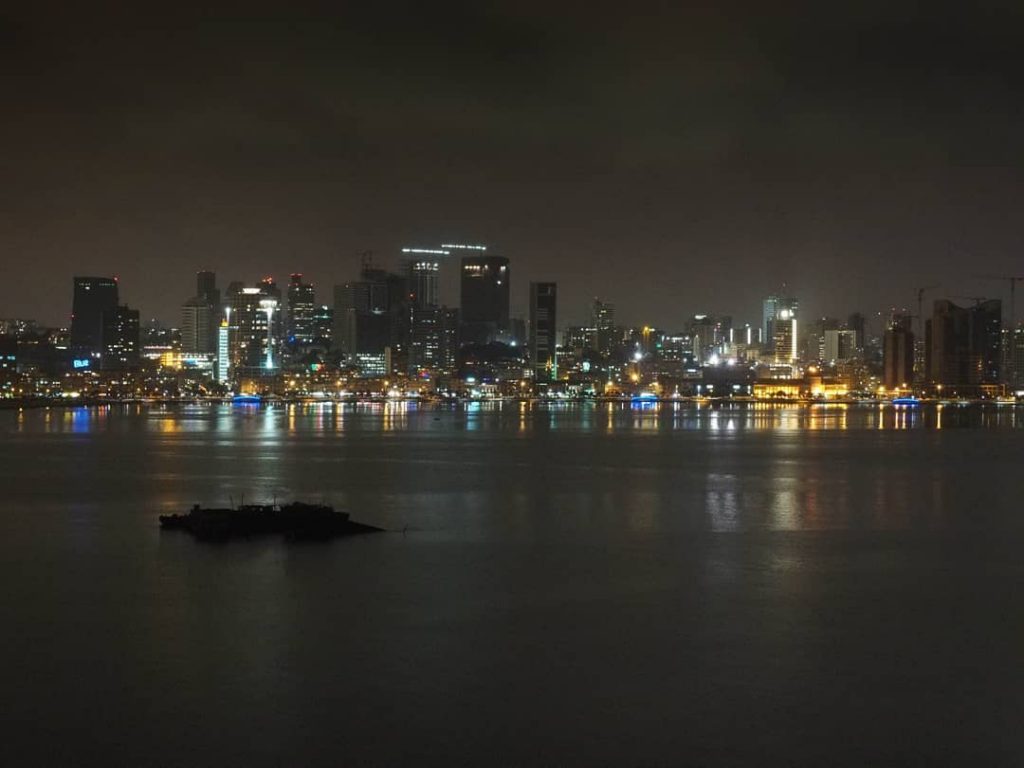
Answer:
(296, 521)
(909, 402)
(246, 399)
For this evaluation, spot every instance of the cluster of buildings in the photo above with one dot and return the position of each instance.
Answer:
(387, 332)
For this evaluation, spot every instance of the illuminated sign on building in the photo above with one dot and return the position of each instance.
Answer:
(80, 363)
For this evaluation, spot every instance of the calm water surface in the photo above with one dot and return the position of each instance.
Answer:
(574, 585)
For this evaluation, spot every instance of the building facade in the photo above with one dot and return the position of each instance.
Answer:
(485, 298)
(543, 330)
(93, 297)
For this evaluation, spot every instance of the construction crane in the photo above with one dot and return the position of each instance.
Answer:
(1013, 290)
(1011, 360)
(976, 299)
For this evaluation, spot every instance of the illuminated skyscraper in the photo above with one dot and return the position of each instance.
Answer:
(301, 325)
(224, 351)
(423, 268)
(784, 328)
(254, 316)
(425, 318)
(120, 339)
(773, 306)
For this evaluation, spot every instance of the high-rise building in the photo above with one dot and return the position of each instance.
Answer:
(1014, 371)
(710, 335)
(784, 330)
(485, 298)
(838, 344)
(772, 308)
(450, 340)
(301, 325)
(543, 330)
(206, 288)
(120, 335)
(963, 344)
(253, 318)
(424, 273)
(200, 316)
(323, 322)
(371, 316)
(425, 319)
(856, 323)
(579, 339)
(425, 339)
(224, 351)
(898, 353)
(603, 319)
(196, 326)
(93, 297)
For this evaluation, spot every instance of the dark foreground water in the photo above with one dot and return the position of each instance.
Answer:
(581, 585)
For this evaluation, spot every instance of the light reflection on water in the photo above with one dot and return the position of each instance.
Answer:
(722, 469)
(609, 576)
(396, 416)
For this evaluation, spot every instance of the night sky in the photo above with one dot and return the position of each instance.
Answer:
(671, 160)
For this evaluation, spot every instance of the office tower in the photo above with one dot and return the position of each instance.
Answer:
(451, 321)
(423, 270)
(323, 323)
(898, 353)
(197, 318)
(93, 296)
(784, 330)
(253, 317)
(963, 344)
(224, 351)
(426, 323)
(485, 298)
(206, 288)
(603, 319)
(543, 330)
(710, 334)
(856, 323)
(301, 325)
(120, 334)
(772, 307)
(425, 339)
(839, 344)
(1014, 369)
(200, 316)
(579, 339)
(372, 317)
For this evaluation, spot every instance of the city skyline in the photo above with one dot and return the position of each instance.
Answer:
(680, 155)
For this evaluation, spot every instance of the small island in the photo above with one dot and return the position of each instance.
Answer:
(296, 522)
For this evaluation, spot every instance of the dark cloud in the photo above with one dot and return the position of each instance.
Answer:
(674, 159)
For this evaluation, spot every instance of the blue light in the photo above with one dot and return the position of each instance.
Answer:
(81, 363)
(908, 401)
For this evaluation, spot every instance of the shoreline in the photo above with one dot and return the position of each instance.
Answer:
(81, 402)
